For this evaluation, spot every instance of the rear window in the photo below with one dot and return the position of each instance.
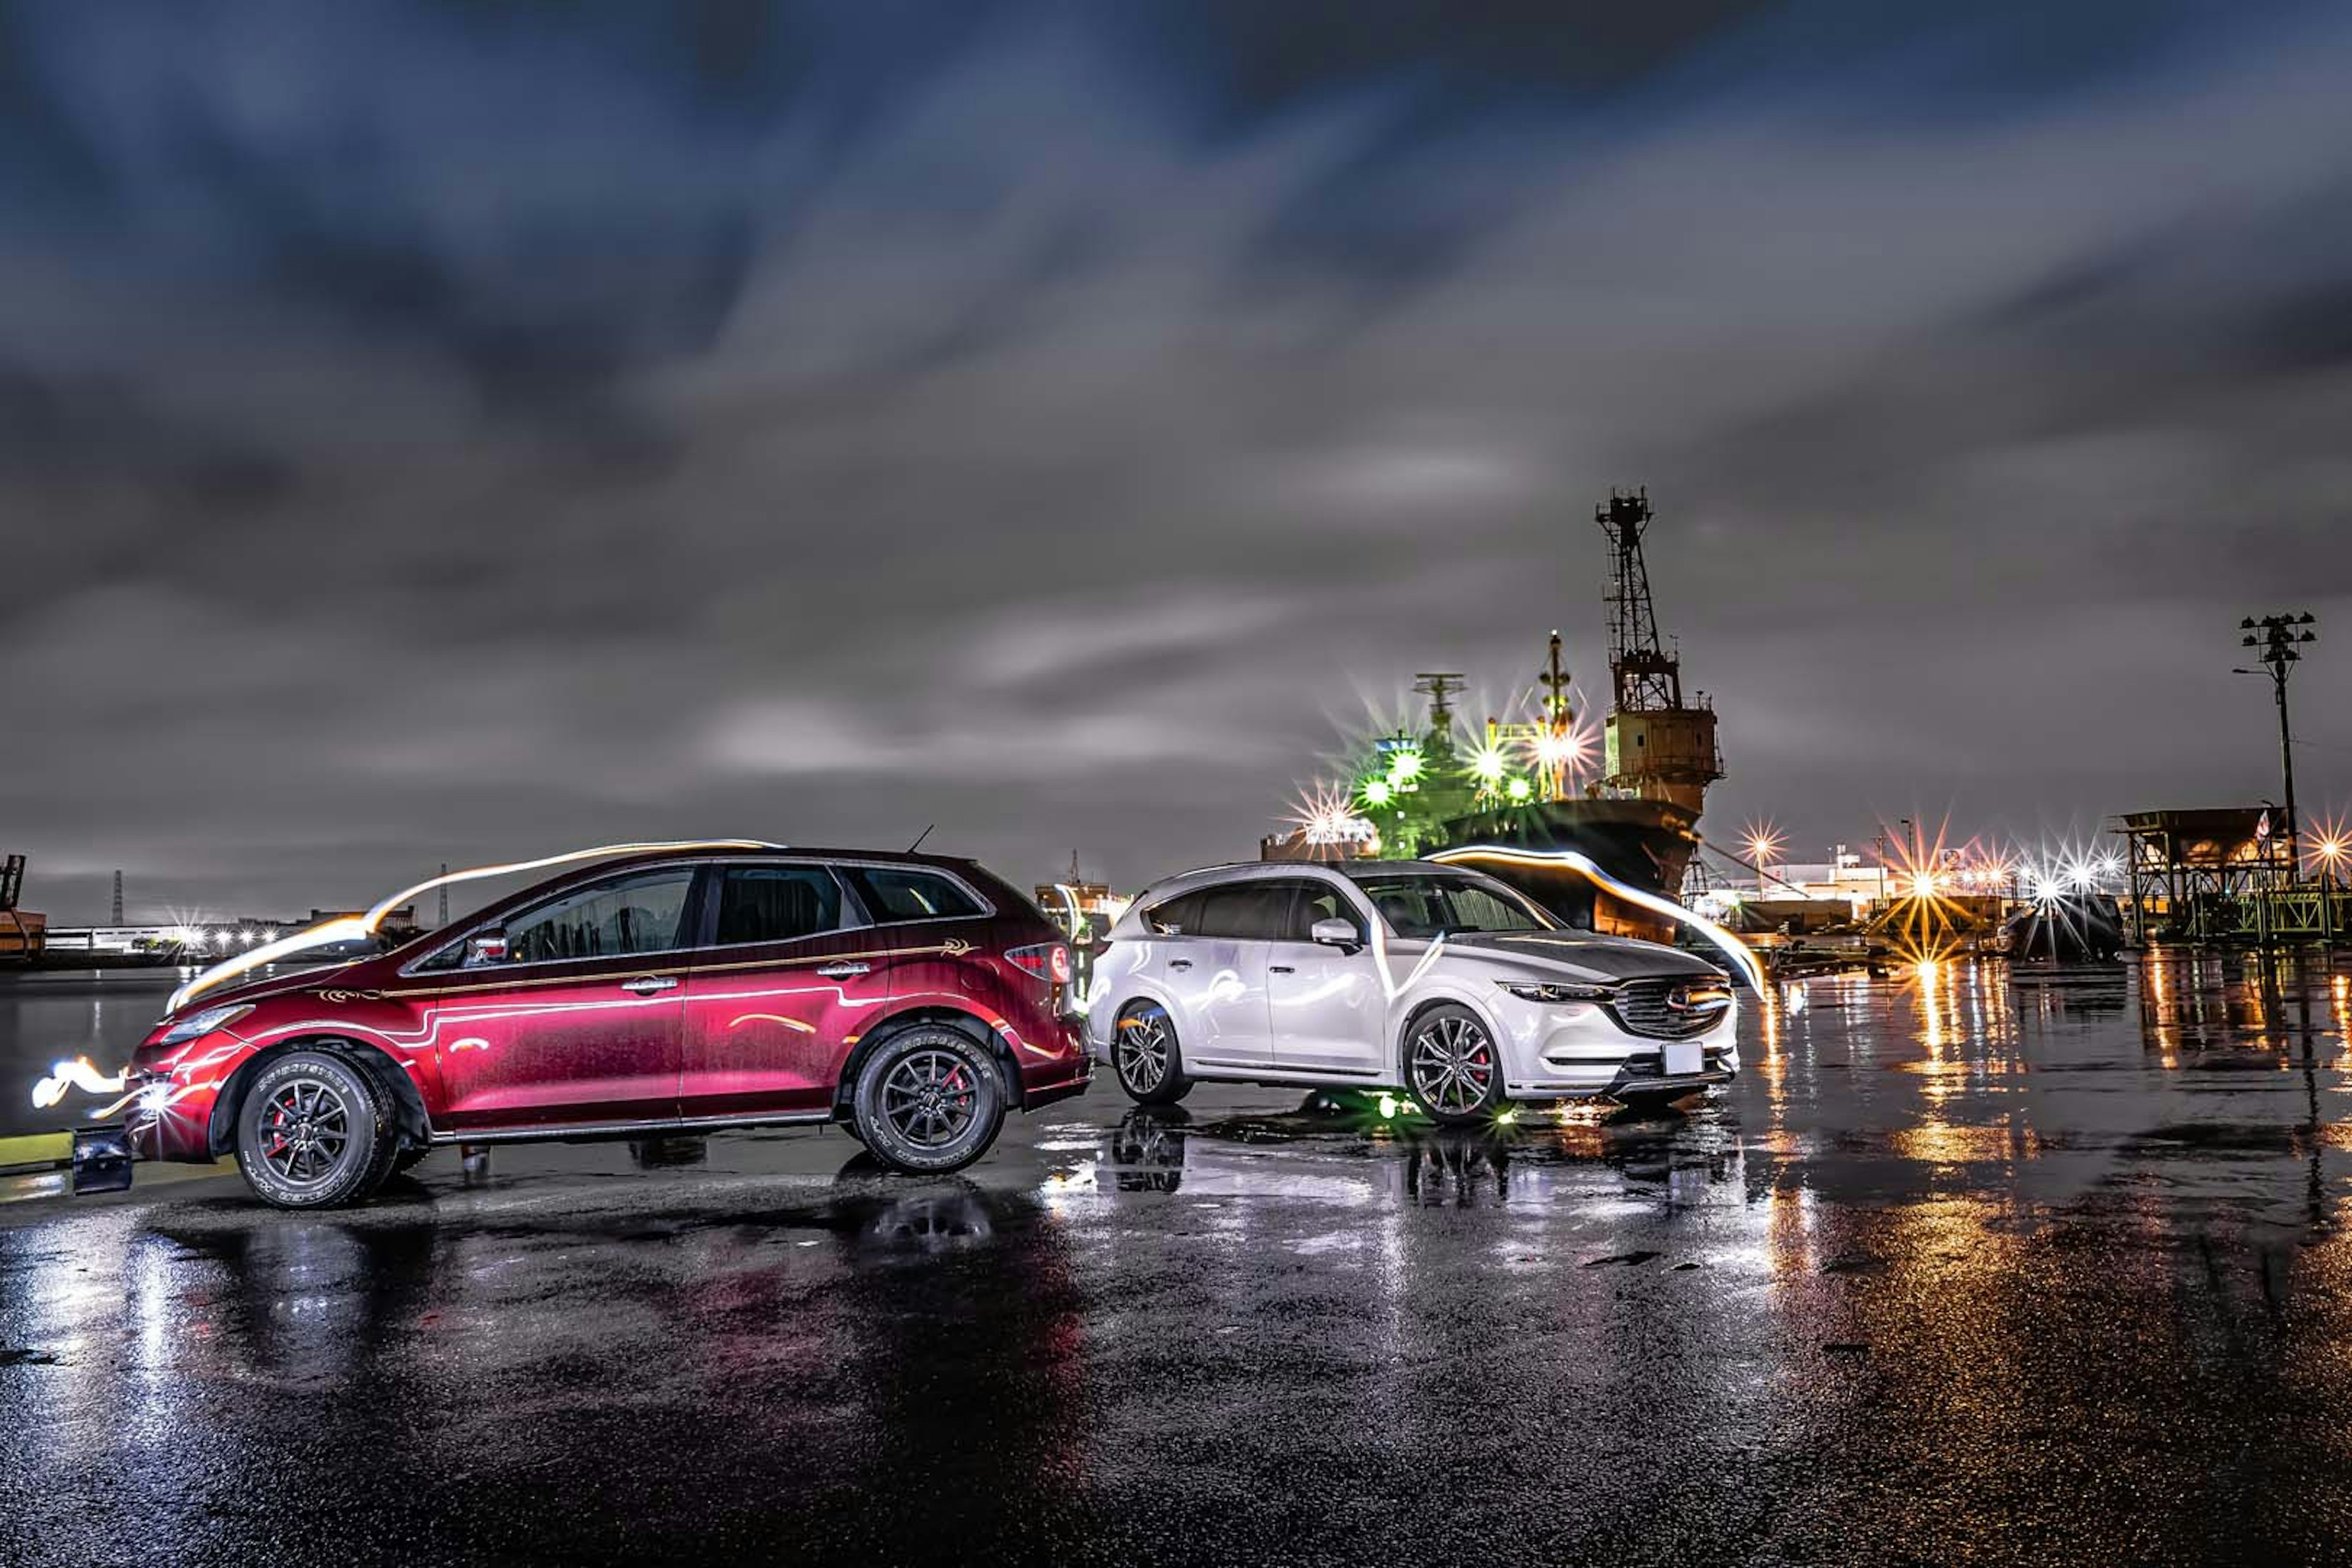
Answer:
(893, 893)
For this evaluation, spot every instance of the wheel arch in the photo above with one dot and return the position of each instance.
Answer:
(413, 1125)
(961, 1019)
(1422, 1009)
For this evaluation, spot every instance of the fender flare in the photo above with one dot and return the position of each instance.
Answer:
(924, 1010)
(414, 1125)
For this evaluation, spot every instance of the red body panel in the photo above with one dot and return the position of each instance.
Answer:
(742, 1033)
(767, 1031)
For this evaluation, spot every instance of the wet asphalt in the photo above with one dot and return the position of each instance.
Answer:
(1970, 1267)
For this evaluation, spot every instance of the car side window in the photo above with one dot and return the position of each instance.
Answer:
(776, 903)
(1246, 912)
(642, 912)
(1319, 902)
(1179, 916)
(906, 893)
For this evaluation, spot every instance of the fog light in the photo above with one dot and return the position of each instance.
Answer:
(155, 1098)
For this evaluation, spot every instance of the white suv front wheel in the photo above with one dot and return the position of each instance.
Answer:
(1452, 1066)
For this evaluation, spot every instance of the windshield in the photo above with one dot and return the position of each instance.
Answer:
(1427, 906)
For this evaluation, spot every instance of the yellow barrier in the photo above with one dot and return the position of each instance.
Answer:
(38, 1149)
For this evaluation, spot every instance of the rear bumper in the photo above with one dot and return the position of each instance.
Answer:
(1080, 1074)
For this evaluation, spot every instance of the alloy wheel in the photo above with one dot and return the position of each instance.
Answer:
(930, 1097)
(1143, 1051)
(304, 1131)
(1453, 1065)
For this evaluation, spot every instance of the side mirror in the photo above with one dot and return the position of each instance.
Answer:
(1336, 934)
(485, 947)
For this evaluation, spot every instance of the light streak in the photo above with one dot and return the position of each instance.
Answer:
(353, 927)
(1732, 947)
(775, 1018)
(76, 1074)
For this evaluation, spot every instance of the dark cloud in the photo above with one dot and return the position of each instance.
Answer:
(439, 431)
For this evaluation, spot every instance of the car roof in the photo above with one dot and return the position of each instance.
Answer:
(1260, 870)
(749, 851)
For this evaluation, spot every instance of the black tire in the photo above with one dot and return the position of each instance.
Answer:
(929, 1099)
(315, 1133)
(1453, 1068)
(1145, 1056)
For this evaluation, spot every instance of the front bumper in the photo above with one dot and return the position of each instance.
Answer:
(1643, 1070)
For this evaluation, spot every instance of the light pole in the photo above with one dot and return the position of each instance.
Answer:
(2280, 640)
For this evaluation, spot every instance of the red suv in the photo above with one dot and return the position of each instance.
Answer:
(911, 997)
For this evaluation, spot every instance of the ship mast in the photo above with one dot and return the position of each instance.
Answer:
(1560, 724)
(1658, 747)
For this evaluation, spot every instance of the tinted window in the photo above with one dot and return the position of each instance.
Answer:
(776, 903)
(1246, 912)
(1179, 916)
(1429, 906)
(896, 894)
(641, 913)
(1319, 902)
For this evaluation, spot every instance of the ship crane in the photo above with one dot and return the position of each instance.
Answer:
(1657, 747)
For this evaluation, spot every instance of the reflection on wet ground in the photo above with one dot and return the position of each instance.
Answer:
(1972, 1264)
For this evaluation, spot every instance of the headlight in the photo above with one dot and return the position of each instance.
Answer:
(1555, 991)
(204, 1023)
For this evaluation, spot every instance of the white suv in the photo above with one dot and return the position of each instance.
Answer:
(1439, 981)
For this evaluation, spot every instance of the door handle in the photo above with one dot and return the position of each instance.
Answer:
(1179, 963)
(1280, 969)
(842, 971)
(646, 985)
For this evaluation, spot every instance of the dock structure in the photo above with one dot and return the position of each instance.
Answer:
(2223, 874)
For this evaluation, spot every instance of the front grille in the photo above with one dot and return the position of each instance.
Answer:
(1646, 1007)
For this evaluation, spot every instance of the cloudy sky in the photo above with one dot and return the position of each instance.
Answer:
(438, 432)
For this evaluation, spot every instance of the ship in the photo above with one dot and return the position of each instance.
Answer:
(1515, 786)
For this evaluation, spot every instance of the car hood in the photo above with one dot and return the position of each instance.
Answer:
(1584, 955)
(276, 983)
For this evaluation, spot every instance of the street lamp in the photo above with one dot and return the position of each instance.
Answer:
(1762, 844)
(2280, 639)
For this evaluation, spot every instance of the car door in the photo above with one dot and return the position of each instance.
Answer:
(787, 976)
(1216, 973)
(1326, 1007)
(580, 1022)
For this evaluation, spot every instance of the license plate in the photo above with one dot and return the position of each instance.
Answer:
(1684, 1057)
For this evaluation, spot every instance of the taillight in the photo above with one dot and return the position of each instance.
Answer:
(1046, 961)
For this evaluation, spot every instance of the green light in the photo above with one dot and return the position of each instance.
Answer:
(1388, 1105)
(1518, 791)
(1404, 767)
(1377, 792)
(1505, 1118)
(1488, 765)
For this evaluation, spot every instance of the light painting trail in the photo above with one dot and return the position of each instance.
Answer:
(78, 1074)
(1732, 947)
